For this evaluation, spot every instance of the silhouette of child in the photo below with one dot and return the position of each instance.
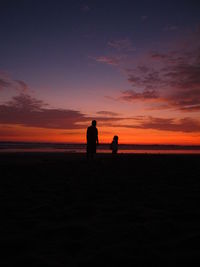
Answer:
(114, 145)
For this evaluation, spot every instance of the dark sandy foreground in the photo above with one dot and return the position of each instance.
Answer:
(60, 210)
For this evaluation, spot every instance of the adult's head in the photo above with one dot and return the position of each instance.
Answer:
(94, 123)
(115, 138)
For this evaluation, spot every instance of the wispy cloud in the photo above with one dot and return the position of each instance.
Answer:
(184, 125)
(110, 60)
(7, 83)
(21, 86)
(31, 112)
(124, 45)
(26, 102)
(172, 78)
(131, 95)
(121, 50)
(107, 113)
(4, 84)
(25, 110)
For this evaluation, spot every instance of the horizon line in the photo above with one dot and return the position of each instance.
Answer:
(103, 143)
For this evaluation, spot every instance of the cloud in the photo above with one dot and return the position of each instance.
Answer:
(145, 80)
(185, 125)
(7, 83)
(172, 78)
(120, 54)
(187, 100)
(191, 108)
(107, 113)
(26, 103)
(22, 86)
(31, 112)
(159, 56)
(110, 60)
(122, 45)
(131, 95)
(183, 81)
(25, 110)
(4, 81)
(4, 84)
(28, 111)
(142, 68)
(185, 76)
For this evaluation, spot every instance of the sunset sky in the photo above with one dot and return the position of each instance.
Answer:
(134, 66)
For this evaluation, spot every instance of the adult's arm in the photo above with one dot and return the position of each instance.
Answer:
(97, 139)
(87, 135)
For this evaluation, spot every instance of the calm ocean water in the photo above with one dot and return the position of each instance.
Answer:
(12, 147)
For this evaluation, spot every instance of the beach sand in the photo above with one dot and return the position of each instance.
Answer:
(58, 209)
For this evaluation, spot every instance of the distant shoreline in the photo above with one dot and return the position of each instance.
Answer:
(29, 145)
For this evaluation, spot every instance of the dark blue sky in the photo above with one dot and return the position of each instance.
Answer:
(47, 30)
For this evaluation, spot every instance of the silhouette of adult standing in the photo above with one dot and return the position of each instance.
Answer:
(92, 139)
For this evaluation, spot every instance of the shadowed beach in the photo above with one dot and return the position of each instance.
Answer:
(61, 210)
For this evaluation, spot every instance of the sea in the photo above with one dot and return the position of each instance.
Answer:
(14, 147)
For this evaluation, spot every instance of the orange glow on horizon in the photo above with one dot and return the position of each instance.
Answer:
(126, 136)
